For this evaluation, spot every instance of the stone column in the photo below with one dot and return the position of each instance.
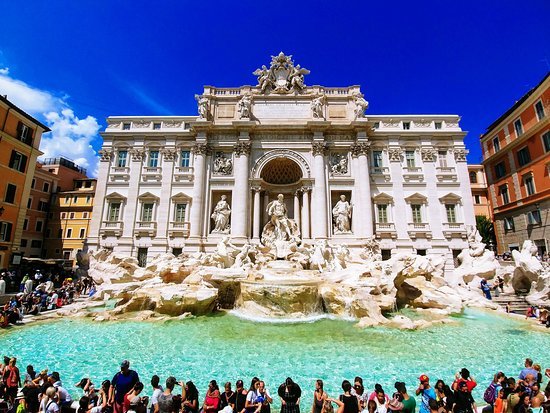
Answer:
(163, 216)
(98, 211)
(363, 204)
(240, 207)
(200, 151)
(266, 201)
(297, 208)
(319, 213)
(131, 208)
(256, 216)
(305, 213)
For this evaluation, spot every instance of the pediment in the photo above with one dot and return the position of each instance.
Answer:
(115, 196)
(180, 196)
(148, 196)
(382, 198)
(417, 198)
(450, 198)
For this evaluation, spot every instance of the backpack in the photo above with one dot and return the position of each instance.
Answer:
(490, 394)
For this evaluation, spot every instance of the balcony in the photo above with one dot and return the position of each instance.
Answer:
(151, 174)
(454, 230)
(183, 173)
(380, 174)
(113, 228)
(446, 174)
(413, 174)
(145, 228)
(179, 229)
(120, 174)
(386, 230)
(419, 230)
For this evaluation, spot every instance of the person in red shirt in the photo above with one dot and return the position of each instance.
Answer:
(464, 376)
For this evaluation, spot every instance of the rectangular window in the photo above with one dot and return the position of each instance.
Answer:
(500, 169)
(38, 226)
(416, 213)
(63, 215)
(69, 232)
(409, 157)
(33, 183)
(438, 125)
(46, 187)
(185, 157)
(75, 200)
(376, 125)
(504, 194)
(147, 212)
(382, 213)
(179, 213)
(406, 125)
(451, 213)
(82, 233)
(43, 206)
(473, 177)
(5, 231)
(442, 158)
(25, 224)
(88, 199)
(48, 232)
(177, 251)
(153, 159)
(421, 253)
(533, 217)
(377, 159)
(186, 125)
(496, 143)
(524, 157)
(29, 203)
(156, 126)
(23, 243)
(114, 211)
(18, 161)
(126, 126)
(10, 193)
(540, 110)
(36, 243)
(71, 215)
(518, 127)
(122, 156)
(66, 255)
(508, 223)
(24, 133)
(546, 141)
(529, 185)
(477, 199)
(85, 215)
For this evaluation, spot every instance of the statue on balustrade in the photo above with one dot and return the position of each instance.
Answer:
(221, 215)
(341, 214)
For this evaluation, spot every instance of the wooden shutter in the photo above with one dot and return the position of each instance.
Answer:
(8, 231)
(23, 163)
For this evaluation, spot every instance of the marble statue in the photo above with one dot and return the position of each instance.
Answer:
(341, 214)
(475, 261)
(224, 255)
(245, 106)
(265, 78)
(322, 256)
(221, 215)
(222, 164)
(203, 106)
(280, 231)
(361, 105)
(339, 164)
(371, 251)
(282, 76)
(296, 78)
(528, 267)
(243, 260)
(342, 256)
(317, 107)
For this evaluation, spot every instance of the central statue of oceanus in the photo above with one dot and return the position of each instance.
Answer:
(280, 232)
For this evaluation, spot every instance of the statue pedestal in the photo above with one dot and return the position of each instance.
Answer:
(283, 265)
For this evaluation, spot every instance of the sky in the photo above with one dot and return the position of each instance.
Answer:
(74, 63)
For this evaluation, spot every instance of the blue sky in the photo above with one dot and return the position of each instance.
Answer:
(73, 63)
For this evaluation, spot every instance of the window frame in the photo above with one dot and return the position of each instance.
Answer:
(504, 194)
(382, 217)
(14, 195)
(179, 215)
(539, 102)
(546, 141)
(411, 158)
(496, 144)
(153, 160)
(183, 158)
(523, 156)
(497, 170)
(143, 216)
(120, 158)
(414, 212)
(519, 131)
(529, 182)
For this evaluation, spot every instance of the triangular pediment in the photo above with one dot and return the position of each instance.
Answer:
(148, 196)
(450, 198)
(180, 196)
(382, 198)
(416, 198)
(115, 196)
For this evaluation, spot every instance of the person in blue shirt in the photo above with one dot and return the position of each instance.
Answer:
(427, 393)
(528, 370)
(121, 384)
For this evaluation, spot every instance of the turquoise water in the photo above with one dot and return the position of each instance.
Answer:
(227, 348)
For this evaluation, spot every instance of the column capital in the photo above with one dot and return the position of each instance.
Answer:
(460, 154)
(169, 154)
(318, 148)
(201, 149)
(359, 148)
(305, 189)
(256, 188)
(395, 154)
(138, 154)
(105, 155)
(242, 148)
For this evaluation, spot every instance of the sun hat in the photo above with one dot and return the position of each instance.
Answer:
(423, 378)
(20, 395)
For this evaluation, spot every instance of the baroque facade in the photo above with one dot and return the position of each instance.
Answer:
(181, 183)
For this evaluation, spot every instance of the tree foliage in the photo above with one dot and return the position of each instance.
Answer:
(486, 229)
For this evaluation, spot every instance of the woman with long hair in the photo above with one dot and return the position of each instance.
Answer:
(191, 402)
(319, 397)
(212, 399)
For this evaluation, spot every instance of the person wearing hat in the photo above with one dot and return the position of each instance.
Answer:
(427, 392)
(122, 383)
(464, 402)
(464, 376)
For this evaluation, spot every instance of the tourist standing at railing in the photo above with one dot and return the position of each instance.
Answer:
(409, 403)
(240, 397)
(157, 390)
(427, 393)
(191, 401)
(290, 394)
(121, 384)
(319, 397)
(228, 397)
(167, 401)
(347, 403)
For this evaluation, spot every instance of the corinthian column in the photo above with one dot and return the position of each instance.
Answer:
(200, 151)
(362, 212)
(297, 208)
(319, 213)
(305, 213)
(240, 207)
(256, 215)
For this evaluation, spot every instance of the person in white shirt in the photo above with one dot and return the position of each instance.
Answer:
(48, 404)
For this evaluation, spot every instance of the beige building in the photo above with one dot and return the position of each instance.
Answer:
(480, 191)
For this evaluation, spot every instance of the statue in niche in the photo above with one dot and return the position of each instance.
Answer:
(361, 105)
(203, 106)
(221, 215)
(341, 214)
(222, 164)
(245, 106)
(317, 106)
(339, 164)
(280, 232)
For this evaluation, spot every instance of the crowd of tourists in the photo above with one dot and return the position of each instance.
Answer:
(38, 293)
(44, 392)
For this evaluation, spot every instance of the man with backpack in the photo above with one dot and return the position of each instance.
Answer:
(491, 392)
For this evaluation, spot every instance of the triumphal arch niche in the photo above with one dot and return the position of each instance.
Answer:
(296, 153)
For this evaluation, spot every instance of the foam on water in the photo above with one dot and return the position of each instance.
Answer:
(227, 348)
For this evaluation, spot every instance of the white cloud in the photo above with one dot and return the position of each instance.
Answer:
(5, 71)
(71, 137)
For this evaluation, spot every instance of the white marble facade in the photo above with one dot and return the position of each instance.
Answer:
(161, 178)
